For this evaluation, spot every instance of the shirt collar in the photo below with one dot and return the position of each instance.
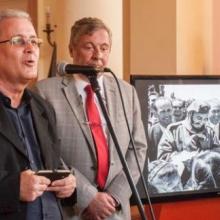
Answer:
(7, 101)
(81, 84)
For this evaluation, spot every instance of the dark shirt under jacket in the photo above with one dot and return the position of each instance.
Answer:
(46, 206)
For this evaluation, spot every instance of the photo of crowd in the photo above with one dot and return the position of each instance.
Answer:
(183, 136)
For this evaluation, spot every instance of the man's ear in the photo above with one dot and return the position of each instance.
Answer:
(71, 51)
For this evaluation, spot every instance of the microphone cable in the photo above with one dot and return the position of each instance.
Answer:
(133, 147)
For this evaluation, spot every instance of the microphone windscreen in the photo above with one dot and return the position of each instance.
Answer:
(61, 68)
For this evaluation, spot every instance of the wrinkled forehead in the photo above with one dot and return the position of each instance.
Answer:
(13, 26)
(95, 34)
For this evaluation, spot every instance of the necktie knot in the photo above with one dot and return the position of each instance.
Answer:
(89, 90)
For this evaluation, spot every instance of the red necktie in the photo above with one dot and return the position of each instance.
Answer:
(98, 136)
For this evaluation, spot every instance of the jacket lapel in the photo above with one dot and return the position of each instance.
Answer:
(77, 107)
(111, 99)
(8, 130)
(41, 126)
(112, 105)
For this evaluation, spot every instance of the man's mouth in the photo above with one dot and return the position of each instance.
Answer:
(29, 62)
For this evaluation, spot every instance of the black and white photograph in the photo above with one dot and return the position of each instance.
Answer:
(181, 116)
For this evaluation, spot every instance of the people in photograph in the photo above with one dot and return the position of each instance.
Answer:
(163, 111)
(179, 109)
(103, 191)
(201, 172)
(204, 169)
(191, 135)
(214, 112)
(28, 138)
(152, 117)
(163, 177)
(214, 116)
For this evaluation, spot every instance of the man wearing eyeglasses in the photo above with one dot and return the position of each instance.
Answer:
(28, 141)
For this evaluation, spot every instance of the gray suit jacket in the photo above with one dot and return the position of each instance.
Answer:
(78, 148)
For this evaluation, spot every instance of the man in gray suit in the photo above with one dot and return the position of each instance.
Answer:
(90, 44)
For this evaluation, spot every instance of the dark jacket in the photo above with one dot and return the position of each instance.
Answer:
(13, 158)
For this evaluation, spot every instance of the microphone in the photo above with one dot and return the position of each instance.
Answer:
(63, 68)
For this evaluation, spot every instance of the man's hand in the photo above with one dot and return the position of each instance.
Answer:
(194, 142)
(101, 207)
(32, 186)
(64, 187)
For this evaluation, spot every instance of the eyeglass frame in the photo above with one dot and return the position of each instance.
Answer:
(25, 42)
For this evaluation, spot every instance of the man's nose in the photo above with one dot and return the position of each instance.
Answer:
(97, 53)
(29, 48)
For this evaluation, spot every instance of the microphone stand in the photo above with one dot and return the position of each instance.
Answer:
(96, 88)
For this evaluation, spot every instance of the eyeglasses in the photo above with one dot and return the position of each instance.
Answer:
(21, 41)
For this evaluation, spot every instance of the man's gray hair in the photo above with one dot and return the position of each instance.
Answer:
(10, 13)
(87, 25)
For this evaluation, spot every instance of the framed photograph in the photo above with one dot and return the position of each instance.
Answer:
(181, 116)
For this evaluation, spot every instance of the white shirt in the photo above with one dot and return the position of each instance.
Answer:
(80, 86)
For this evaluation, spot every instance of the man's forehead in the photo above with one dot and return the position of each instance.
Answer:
(16, 26)
(100, 35)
